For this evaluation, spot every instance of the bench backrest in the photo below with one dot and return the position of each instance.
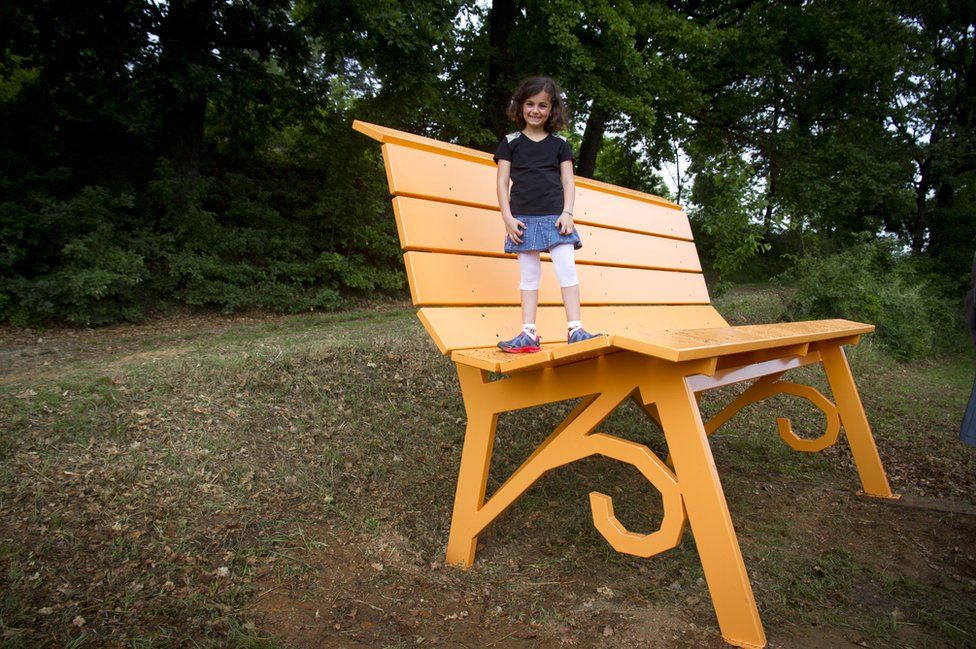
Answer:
(638, 267)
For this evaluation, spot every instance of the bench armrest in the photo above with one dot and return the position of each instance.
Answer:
(694, 344)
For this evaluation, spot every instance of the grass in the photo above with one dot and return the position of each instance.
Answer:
(210, 484)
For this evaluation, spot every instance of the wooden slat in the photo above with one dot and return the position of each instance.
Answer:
(596, 208)
(418, 172)
(386, 135)
(471, 327)
(437, 278)
(779, 343)
(427, 174)
(495, 360)
(732, 375)
(445, 227)
(691, 344)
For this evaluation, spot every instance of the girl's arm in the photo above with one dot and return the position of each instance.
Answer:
(513, 227)
(565, 220)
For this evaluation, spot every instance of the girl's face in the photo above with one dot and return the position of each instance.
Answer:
(536, 109)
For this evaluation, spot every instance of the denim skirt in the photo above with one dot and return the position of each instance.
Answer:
(541, 233)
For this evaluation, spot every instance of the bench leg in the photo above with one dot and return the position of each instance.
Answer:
(848, 401)
(479, 438)
(471, 513)
(708, 513)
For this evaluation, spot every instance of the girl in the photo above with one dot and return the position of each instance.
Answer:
(539, 213)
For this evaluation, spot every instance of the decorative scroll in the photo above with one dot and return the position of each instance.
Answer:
(769, 386)
(645, 461)
(571, 441)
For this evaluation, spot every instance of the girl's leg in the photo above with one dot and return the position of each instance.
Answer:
(530, 301)
(571, 300)
(565, 264)
(530, 270)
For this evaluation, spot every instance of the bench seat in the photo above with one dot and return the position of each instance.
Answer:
(679, 345)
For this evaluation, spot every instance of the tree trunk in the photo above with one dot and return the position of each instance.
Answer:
(596, 125)
(770, 197)
(917, 233)
(679, 181)
(771, 151)
(501, 66)
(183, 130)
(186, 68)
(939, 221)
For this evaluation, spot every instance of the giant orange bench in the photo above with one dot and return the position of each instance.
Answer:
(640, 283)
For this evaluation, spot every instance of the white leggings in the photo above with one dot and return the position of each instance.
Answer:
(530, 267)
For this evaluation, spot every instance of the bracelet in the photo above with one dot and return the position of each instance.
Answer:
(567, 212)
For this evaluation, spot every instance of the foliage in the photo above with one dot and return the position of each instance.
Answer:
(872, 283)
(200, 153)
(852, 114)
(934, 120)
(114, 205)
(729, 205)
(222, 242)
(620, 163)
(229, 245)
(86, 263)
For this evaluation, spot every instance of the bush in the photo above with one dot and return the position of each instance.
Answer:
(276, 236)
(873, 283)
(726, 223)
(73, 260)
(236, 242)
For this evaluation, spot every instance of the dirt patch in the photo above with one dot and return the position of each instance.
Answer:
(376, 590)
(376, 596)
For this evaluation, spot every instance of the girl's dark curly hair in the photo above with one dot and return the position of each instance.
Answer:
(558, 115)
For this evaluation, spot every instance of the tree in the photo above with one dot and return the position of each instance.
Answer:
(935, 119)
(201, 46)
(627, 65)
(802, 91)
(404, 50)
(501, 65)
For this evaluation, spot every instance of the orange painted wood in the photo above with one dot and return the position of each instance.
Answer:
(418, 172)
(778, 342)
(437, 278)
(467, 327)
(551, 355)
(495, 360)
(691, 344)
(662, 343)
(446, 227)
(787, 338)
(386, 135)
(426, 174)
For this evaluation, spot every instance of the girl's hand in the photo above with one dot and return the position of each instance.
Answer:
(565, 223)
(514, 229)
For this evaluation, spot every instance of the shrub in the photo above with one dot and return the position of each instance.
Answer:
(871, 282)
(235, 243)
(727, 228)
(278, 237)
(74, 262)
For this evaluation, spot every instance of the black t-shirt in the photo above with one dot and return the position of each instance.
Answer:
(536, 185)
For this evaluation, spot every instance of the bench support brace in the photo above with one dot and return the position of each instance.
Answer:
(770, 386)
(692, 492)
(848, 410)
(708, 512)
